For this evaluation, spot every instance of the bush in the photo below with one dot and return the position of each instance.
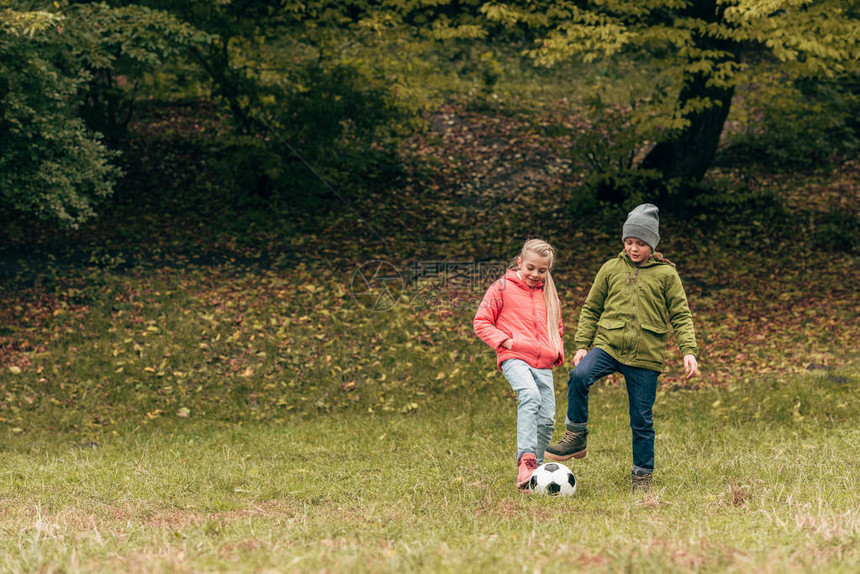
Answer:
(332, 131)
(52, 166)
(623, 188)
(609, 147)
(801, 125)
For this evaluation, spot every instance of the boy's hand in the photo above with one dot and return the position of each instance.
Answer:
(691, 366)
(508, 343)
(580, 354)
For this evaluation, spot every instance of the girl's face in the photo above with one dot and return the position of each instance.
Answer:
(533, 267)
(638, 250)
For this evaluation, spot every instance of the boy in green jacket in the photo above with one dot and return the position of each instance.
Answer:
(626, 316)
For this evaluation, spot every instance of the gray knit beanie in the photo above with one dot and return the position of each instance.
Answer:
(643, 223)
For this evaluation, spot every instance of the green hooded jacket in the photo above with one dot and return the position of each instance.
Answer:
(629, 309)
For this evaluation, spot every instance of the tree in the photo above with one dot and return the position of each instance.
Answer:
(117, 47)
(59, 92)
(706, 47)
(317, 90)
(51, 165)
(264, 50)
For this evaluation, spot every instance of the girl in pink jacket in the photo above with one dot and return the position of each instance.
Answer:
(520, 318)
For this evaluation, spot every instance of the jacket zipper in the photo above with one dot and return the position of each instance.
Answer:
(535, 320)
(626, 294)
(633, 321)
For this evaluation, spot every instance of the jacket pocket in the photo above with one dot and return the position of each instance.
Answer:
(611, 332)
(652, 345)
(525, 346)
(655, 330)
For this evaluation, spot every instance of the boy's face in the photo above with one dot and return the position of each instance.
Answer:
(533, 268)
(638, 250)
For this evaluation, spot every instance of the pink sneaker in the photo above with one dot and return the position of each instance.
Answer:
(525, 467)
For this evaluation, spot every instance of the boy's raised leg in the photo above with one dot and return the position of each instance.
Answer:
(594, 366)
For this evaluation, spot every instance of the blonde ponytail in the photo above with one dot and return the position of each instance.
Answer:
(550, 295)
(553, 311)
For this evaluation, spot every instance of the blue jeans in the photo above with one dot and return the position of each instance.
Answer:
(641, 394)
(536, 409)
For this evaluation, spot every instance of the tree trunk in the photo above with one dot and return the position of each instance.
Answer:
(688, 154)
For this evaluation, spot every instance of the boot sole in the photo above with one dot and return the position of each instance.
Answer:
(563, 457)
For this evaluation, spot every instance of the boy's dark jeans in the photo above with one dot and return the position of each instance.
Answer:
(641, 393)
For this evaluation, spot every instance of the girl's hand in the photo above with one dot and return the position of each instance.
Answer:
(580, 354)
(508, 343)
(691, 366)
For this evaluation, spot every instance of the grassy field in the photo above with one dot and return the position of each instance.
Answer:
(755, 479)
(183, 393)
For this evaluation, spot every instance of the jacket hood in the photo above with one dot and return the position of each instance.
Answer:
(656, 258)
(512, 276)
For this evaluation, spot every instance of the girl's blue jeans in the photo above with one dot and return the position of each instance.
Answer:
(641, 393)
(536, 409)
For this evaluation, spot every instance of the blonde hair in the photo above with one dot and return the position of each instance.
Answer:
(550, 295)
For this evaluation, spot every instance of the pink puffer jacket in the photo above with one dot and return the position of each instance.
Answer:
(513, 310)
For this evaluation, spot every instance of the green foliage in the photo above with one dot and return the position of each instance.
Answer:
(701, 51)
(68, 77)
(811, 38)
(619, 188)
(340, 83)
(799, 124)
(611, 142)
(250, 168)
(609, 146)
(337, 111)
(51, 165)
(341, 122)
(334, 132)
(308, 89)
(118, 46)
(19, 21)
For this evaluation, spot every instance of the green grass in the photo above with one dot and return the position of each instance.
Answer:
(761, 487)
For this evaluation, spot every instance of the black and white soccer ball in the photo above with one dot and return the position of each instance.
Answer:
(553, 478)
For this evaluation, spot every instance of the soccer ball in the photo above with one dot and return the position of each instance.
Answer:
(553, 478)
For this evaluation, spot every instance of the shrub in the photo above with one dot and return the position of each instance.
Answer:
(51, 165)
(332, 129)
(799, 125)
